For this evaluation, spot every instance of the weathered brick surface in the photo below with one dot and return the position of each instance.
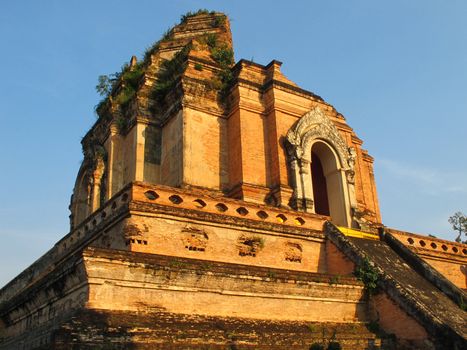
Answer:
(394, 320)
(136, 281)
(160, 330)
(336, 262)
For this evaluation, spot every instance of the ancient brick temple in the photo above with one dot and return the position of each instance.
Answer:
(221, 206)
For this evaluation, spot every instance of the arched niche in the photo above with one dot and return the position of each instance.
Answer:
(315, 137)
(89, 191)
(331, 183)
(81, 198)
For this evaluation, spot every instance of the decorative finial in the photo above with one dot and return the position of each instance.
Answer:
(133, 61)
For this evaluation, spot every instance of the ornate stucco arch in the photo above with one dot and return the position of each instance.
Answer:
(89, 189)
(315, 128)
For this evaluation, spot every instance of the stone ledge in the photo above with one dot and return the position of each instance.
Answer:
(221, 268)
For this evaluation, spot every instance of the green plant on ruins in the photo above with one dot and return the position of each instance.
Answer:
(103, 109)
(122, 124)
(93, 150)
(149, 51)
(255, 241)
(169, 73)
(271, 274)
(462, 304)
(368, 274)
(118, 89)
(189, 14)
(219, 21)
(224, 57)
(105, 84)
(168, 35)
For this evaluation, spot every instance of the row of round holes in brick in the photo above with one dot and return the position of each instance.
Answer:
(221, 207)
(94, 222)
(433, 245)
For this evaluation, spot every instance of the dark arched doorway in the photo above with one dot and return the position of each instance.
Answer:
(320, 192)
(329, 190)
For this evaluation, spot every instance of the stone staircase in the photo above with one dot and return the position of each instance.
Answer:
(434, 310)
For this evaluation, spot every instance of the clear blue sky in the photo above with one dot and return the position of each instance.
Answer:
(397, 70)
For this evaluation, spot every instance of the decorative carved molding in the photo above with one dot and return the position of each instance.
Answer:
(350, 171)
(194, 239)
(249, 245)
(293, 252)
(313, 126)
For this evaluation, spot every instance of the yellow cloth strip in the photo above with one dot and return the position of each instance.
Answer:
(356, 233)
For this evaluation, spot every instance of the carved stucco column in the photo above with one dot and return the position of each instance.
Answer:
(350, 175)
(307, 186)
(96, 184)
(302, 198)
(295, 175)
